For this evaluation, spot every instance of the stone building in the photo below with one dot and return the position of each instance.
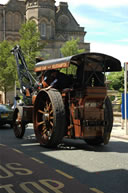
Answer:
(12, 15)
(55, 23)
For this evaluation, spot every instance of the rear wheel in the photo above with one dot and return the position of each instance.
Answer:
(18, 124)
(95, 141)
(49, 118)
(108, 117)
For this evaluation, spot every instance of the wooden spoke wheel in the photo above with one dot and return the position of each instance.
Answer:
(18, 124)
(49, 118)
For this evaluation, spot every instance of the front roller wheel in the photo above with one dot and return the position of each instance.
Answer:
(49, 118)
(18, 123)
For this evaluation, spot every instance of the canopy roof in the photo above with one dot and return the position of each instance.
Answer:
(106, 62)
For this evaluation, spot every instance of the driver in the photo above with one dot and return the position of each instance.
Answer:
(57, 79)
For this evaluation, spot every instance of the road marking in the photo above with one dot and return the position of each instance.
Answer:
(2, 145)
(16, 150)
(64, 174)
(30, 144)
(96, 190)
(37, 160)
(7, 187)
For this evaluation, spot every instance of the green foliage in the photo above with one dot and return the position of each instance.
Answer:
(30, 45)
(30, 42)
(71, 48)
(116, 81)
(7, 67)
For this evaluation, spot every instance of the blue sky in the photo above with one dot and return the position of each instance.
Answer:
(106, 24)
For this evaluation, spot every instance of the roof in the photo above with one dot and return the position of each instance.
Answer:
(108, 63)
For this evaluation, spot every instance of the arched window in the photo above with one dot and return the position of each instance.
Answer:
(52, 30)
(9, 21)
(43, 29)
(17, 21)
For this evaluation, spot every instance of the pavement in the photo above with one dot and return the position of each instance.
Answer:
(117, 130)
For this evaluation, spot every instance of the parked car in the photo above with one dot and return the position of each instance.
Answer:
(6, 115)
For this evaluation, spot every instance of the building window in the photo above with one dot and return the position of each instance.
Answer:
(43, 29)
(9, 21)
(52, 29)
(17, 21)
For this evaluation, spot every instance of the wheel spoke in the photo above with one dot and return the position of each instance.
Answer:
(40, 123)
(43, 131)
(51, 123)
(43, 128)
(47, 105)
(51, 112)
(50, 105)
(40, 111)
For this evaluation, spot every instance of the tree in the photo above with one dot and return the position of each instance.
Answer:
(71, 48)
(30, 46)
(7, 67)
(116, 81)
(30, 42)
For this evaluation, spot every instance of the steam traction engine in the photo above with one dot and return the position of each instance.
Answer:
(68, 98)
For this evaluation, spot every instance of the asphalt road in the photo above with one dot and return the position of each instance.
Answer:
(73, 166)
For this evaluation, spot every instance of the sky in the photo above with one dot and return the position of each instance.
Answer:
(106, 24)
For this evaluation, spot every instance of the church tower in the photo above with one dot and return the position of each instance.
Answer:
(56, 25)
(43, 13)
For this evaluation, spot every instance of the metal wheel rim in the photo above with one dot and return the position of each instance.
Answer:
(44, 121)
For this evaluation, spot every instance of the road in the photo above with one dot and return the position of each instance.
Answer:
(72, 167)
